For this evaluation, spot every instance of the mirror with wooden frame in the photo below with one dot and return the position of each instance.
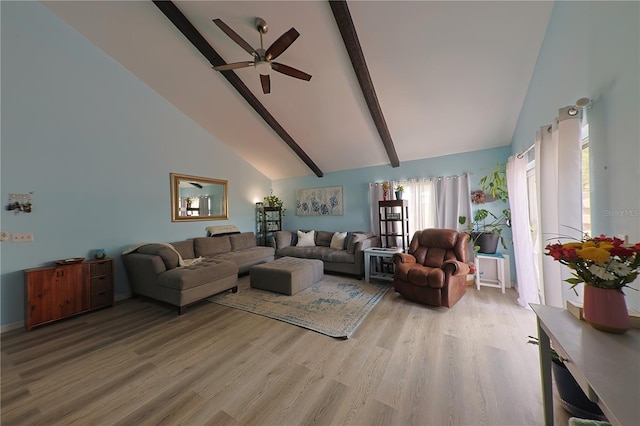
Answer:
(198, 198)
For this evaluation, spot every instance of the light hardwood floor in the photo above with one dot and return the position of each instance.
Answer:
(408, 364)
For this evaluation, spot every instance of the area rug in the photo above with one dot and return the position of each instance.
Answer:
(335, 306)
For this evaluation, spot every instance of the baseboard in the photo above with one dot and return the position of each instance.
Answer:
(20, 324)
(119, 297)
(10, 327)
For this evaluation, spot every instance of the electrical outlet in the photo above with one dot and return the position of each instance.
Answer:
(22, 237)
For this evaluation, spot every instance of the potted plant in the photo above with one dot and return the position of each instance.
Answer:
(273, 201)
(399, 191)
(572, 398)
(487, 230)
(487, 227)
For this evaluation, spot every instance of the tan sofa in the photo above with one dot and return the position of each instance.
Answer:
(155, 270)
(348, 260)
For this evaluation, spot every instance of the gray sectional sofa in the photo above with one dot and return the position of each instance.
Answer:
(349, 259)
(167, 272)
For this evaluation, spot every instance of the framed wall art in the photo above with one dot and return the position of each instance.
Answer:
(320, 201)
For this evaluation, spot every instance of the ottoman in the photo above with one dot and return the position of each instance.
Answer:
(287, 275)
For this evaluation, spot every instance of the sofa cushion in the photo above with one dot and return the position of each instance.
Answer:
(242, 257)
(337, 241)
(323, 238)
(207, 271)
(306, 239)
(185, 248)
(283, 239)
(355, 239)
(338, 256)
(168, 255)
(211, 246)
(315, 252)
(242, 241)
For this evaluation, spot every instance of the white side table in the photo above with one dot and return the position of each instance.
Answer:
(489, 282)
(380, 252)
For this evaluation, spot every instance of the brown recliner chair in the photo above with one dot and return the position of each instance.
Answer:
(434, 271)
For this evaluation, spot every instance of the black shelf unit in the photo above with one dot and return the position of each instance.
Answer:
(268, 221)
(394, 223)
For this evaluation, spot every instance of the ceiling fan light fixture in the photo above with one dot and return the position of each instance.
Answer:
(263, 67)
(262, 57)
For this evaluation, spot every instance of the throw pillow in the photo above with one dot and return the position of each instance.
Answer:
(337, 241)
(346, 240)
(306, 239)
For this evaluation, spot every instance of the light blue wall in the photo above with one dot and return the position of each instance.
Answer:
(96, 147)
(592, 49)
(355, 185)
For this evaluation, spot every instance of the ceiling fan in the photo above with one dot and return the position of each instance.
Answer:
(262, 59)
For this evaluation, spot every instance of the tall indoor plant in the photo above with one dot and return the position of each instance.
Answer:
(605, 265)
(487, 227)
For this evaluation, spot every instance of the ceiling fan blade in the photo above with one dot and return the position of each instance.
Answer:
(281, 44)
(233, 66)
(266, 83)
(234, 36)
(291, 72)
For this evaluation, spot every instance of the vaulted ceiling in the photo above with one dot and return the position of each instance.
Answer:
(448, 77)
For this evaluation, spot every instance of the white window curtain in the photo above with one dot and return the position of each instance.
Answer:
(420, 194)
(375, 195)
(453, 199)
(559, 193)
(523, 248)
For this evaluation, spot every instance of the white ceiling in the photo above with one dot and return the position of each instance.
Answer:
(450, 76)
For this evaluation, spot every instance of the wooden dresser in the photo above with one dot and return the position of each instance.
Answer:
(60, 291)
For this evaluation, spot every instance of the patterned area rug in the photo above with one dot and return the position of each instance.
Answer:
(335, 306)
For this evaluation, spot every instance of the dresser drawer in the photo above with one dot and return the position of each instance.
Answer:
(100, 284)
(103, 267)
(101, 298)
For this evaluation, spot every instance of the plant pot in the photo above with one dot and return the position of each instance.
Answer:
(606, 309)
(487, 241)
(398, 195)
(571, 395)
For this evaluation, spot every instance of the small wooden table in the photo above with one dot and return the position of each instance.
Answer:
(382, 253)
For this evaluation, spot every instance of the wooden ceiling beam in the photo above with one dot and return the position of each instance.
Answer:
(350, 37)
(181, 22)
